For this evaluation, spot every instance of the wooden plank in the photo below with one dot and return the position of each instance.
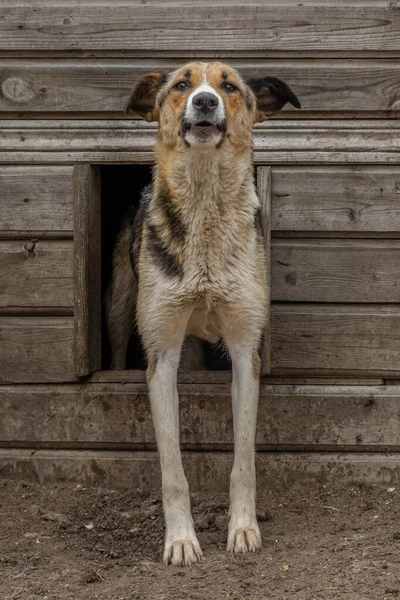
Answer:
(79, 136)
(35, 199)
(206, 471)
(335, 340)
(224, 377)
(95, 416)
(36, 274)
(103, 86)
(264, 194)
(335, 271)
(36, 349)
(87, 269)
(334, 199)
(123, 141)
(261, 157)
(127, 135)
(38, 25)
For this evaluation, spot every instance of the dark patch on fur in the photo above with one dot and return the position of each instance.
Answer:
(187, 74)
(224, 75)
(160, 252)
(248, 99)
(164, 259)
(272, 93)
(177, 228)
(223, 126)
(136, 219)
(257, 224)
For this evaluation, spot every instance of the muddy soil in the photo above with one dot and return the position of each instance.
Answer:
(67, 542)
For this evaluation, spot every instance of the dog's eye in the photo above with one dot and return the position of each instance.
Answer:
(229, 87)
(181, 86)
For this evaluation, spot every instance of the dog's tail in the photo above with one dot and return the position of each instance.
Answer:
(121, 298)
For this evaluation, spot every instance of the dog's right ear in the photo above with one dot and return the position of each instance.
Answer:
(142, 100)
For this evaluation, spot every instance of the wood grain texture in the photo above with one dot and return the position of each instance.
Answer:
(335, 340)
(306, 340)
(87, 269)
(124, 135)
(36, 349)
(335, 271)
(35, 199)
(103, 86)
(261, 157)
(175, 26)
(264, 194)
(335, 199)
(206, 471)
(111, 416)
(122, 141)
(36, 274)
(215, 378)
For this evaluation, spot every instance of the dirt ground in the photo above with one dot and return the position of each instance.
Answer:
(67, 542)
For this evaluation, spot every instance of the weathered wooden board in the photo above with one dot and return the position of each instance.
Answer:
(206, 471)
(146, 157)
(306, 340)
(123, 135)
(95, 416)
(123, 141)
(103, 86)
(212, 378)
(35, 199)
(36, 349)
(222, 26)
(335, 339)
(36, 274)
(87, 269)
(335, 270)
(334, 199)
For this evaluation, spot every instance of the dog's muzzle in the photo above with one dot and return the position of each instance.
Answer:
(204, 121)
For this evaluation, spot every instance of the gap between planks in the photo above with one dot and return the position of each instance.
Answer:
(39, 235)
(199, 448)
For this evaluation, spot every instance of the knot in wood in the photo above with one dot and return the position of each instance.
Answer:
(17, 90)
(29, 247)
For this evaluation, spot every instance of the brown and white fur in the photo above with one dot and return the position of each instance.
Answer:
(192, 263)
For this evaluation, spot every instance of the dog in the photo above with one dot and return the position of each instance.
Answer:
(191, 264)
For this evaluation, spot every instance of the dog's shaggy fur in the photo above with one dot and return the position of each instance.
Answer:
(192, 264)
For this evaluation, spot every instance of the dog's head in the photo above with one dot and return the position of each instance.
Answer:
(204, 103)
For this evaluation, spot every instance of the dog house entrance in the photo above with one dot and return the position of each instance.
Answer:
(103, 195)
(121, 188)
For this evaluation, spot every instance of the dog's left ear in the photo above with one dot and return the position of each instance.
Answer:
(142, 100)
(271, 95)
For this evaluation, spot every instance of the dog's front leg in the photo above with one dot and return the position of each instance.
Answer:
(244, 534)
(181, 545)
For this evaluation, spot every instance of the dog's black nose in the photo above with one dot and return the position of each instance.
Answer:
(205, 102)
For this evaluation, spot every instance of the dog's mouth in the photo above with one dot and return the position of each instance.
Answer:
(204, 132)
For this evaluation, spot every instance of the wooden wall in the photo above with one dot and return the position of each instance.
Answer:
(65, 74)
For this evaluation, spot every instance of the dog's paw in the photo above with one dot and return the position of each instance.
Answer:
(182, 551)
(244, 538)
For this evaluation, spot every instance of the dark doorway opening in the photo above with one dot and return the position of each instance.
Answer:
(121, 187)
